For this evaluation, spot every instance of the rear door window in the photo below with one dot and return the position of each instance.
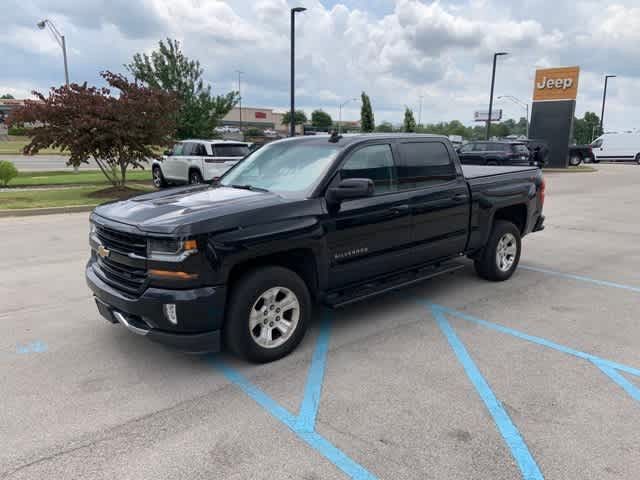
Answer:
(231, 150)
(424, 164)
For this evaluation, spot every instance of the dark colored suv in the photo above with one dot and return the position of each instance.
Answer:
(495, 153)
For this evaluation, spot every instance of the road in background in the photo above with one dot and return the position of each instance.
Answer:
(85, 399)
(44, 162)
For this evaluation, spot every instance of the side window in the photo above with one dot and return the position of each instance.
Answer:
(178, 149)
(374, 162)
(200, 151)
(424, 164)
(597, 143)
(479, 147)
(188, 149)
(466, 148)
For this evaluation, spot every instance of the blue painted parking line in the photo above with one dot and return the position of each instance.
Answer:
(303, 425)
(32, 347)
(614, 375)
(581, 278)
(519, 450)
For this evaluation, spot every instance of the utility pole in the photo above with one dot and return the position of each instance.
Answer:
(293, 74)
(493, 81)
(604, 99)
(239, 72)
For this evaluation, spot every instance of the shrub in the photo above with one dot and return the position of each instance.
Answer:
(8, 171)
(18, 131)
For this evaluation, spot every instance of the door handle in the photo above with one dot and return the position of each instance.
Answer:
(399, 210)
(459, 197)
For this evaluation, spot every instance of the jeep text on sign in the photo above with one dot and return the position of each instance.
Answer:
(556, 83)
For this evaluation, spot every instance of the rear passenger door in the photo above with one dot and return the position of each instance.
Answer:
(368, 236)
(439, 198)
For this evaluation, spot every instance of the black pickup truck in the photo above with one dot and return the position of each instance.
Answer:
(326, 219)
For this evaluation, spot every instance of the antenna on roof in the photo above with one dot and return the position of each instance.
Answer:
(335, 137)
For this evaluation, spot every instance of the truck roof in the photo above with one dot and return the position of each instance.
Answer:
(353, 138)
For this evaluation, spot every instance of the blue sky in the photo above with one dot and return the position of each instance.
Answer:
(395, 50)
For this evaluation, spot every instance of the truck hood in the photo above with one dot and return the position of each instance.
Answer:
(187, 210)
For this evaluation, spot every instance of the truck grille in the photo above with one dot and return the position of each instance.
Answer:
(122, 242)
(119, 269)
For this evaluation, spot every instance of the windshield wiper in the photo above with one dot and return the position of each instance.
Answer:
(250, 187)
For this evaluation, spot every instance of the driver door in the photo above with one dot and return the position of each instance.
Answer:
(368, 236)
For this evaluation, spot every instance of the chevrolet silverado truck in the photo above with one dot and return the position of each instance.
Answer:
(301, 221)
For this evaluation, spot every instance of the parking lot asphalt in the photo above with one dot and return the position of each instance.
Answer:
(456, 378)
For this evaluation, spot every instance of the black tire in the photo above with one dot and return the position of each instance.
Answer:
(158, 177)
(492, 163)
(487, 264)
(638, 158)
(575, 159)
(248, 292)
(195, 177)
(595, 160)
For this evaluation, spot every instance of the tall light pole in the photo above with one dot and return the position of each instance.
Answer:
(340, 111)
(240, 72)
(522, 104)
(60, 39)
(420, 111)
(293, 68)
(604, 99)
(493, 81)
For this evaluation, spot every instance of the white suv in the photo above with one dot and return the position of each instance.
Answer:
(197, 161)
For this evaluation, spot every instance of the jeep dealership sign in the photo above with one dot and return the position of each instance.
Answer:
(556, 84)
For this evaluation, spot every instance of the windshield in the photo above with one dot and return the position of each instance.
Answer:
(289, 168)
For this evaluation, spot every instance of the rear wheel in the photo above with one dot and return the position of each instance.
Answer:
(492, 163)
(195, 177)
(638, 158)
(575, 159)
(267, 315)
(500, 257)
(158, 178)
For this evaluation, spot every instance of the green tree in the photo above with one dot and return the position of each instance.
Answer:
(585, 129)
(168, 69)
(8, 171)
(384, 127)
(321, 119)
(118, 131)
(300, 118)
(409, 124)
(7, 96)
(367, 123)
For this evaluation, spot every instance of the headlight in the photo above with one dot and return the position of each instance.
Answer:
(170, 250)
(92, 229)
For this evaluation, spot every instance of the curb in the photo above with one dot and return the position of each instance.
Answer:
(29, 212)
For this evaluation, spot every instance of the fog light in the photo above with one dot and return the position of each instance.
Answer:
(170, 313)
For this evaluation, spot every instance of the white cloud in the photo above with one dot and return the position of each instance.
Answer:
(441, 50)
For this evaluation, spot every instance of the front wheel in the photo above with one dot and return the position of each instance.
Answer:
(500, 257)
(268, 314)
(638, 158)
(158, 178)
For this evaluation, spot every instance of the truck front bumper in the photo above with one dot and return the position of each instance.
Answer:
(145, 315)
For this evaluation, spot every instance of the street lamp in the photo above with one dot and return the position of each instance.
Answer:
(604, 98)
(522, 104)
(493, 80)
(420, 111)
(293, 51)
(60, 39)
(340, 111)
(239, 72)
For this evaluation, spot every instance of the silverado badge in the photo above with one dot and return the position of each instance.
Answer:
(103, 252)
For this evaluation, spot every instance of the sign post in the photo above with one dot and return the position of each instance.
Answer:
(554, 103)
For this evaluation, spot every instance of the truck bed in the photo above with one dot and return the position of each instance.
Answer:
(479, 171)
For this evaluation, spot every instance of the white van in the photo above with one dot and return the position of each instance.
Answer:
(617, 147)
(197, 161)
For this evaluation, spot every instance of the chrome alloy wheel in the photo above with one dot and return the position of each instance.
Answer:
(274, 317)
(506, 252)
(157, 177)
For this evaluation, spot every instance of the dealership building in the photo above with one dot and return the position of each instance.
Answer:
(252, 117)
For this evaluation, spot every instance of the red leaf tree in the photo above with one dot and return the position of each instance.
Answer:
(117, 131)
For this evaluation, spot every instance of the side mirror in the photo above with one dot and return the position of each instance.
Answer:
(350, 188)
(168, 153)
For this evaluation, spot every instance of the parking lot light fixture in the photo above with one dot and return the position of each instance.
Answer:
(493, 80)
(61, 41)
(340, 111)
(293, 50)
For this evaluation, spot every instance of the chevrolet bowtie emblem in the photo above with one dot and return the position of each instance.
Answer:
(103, 252)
